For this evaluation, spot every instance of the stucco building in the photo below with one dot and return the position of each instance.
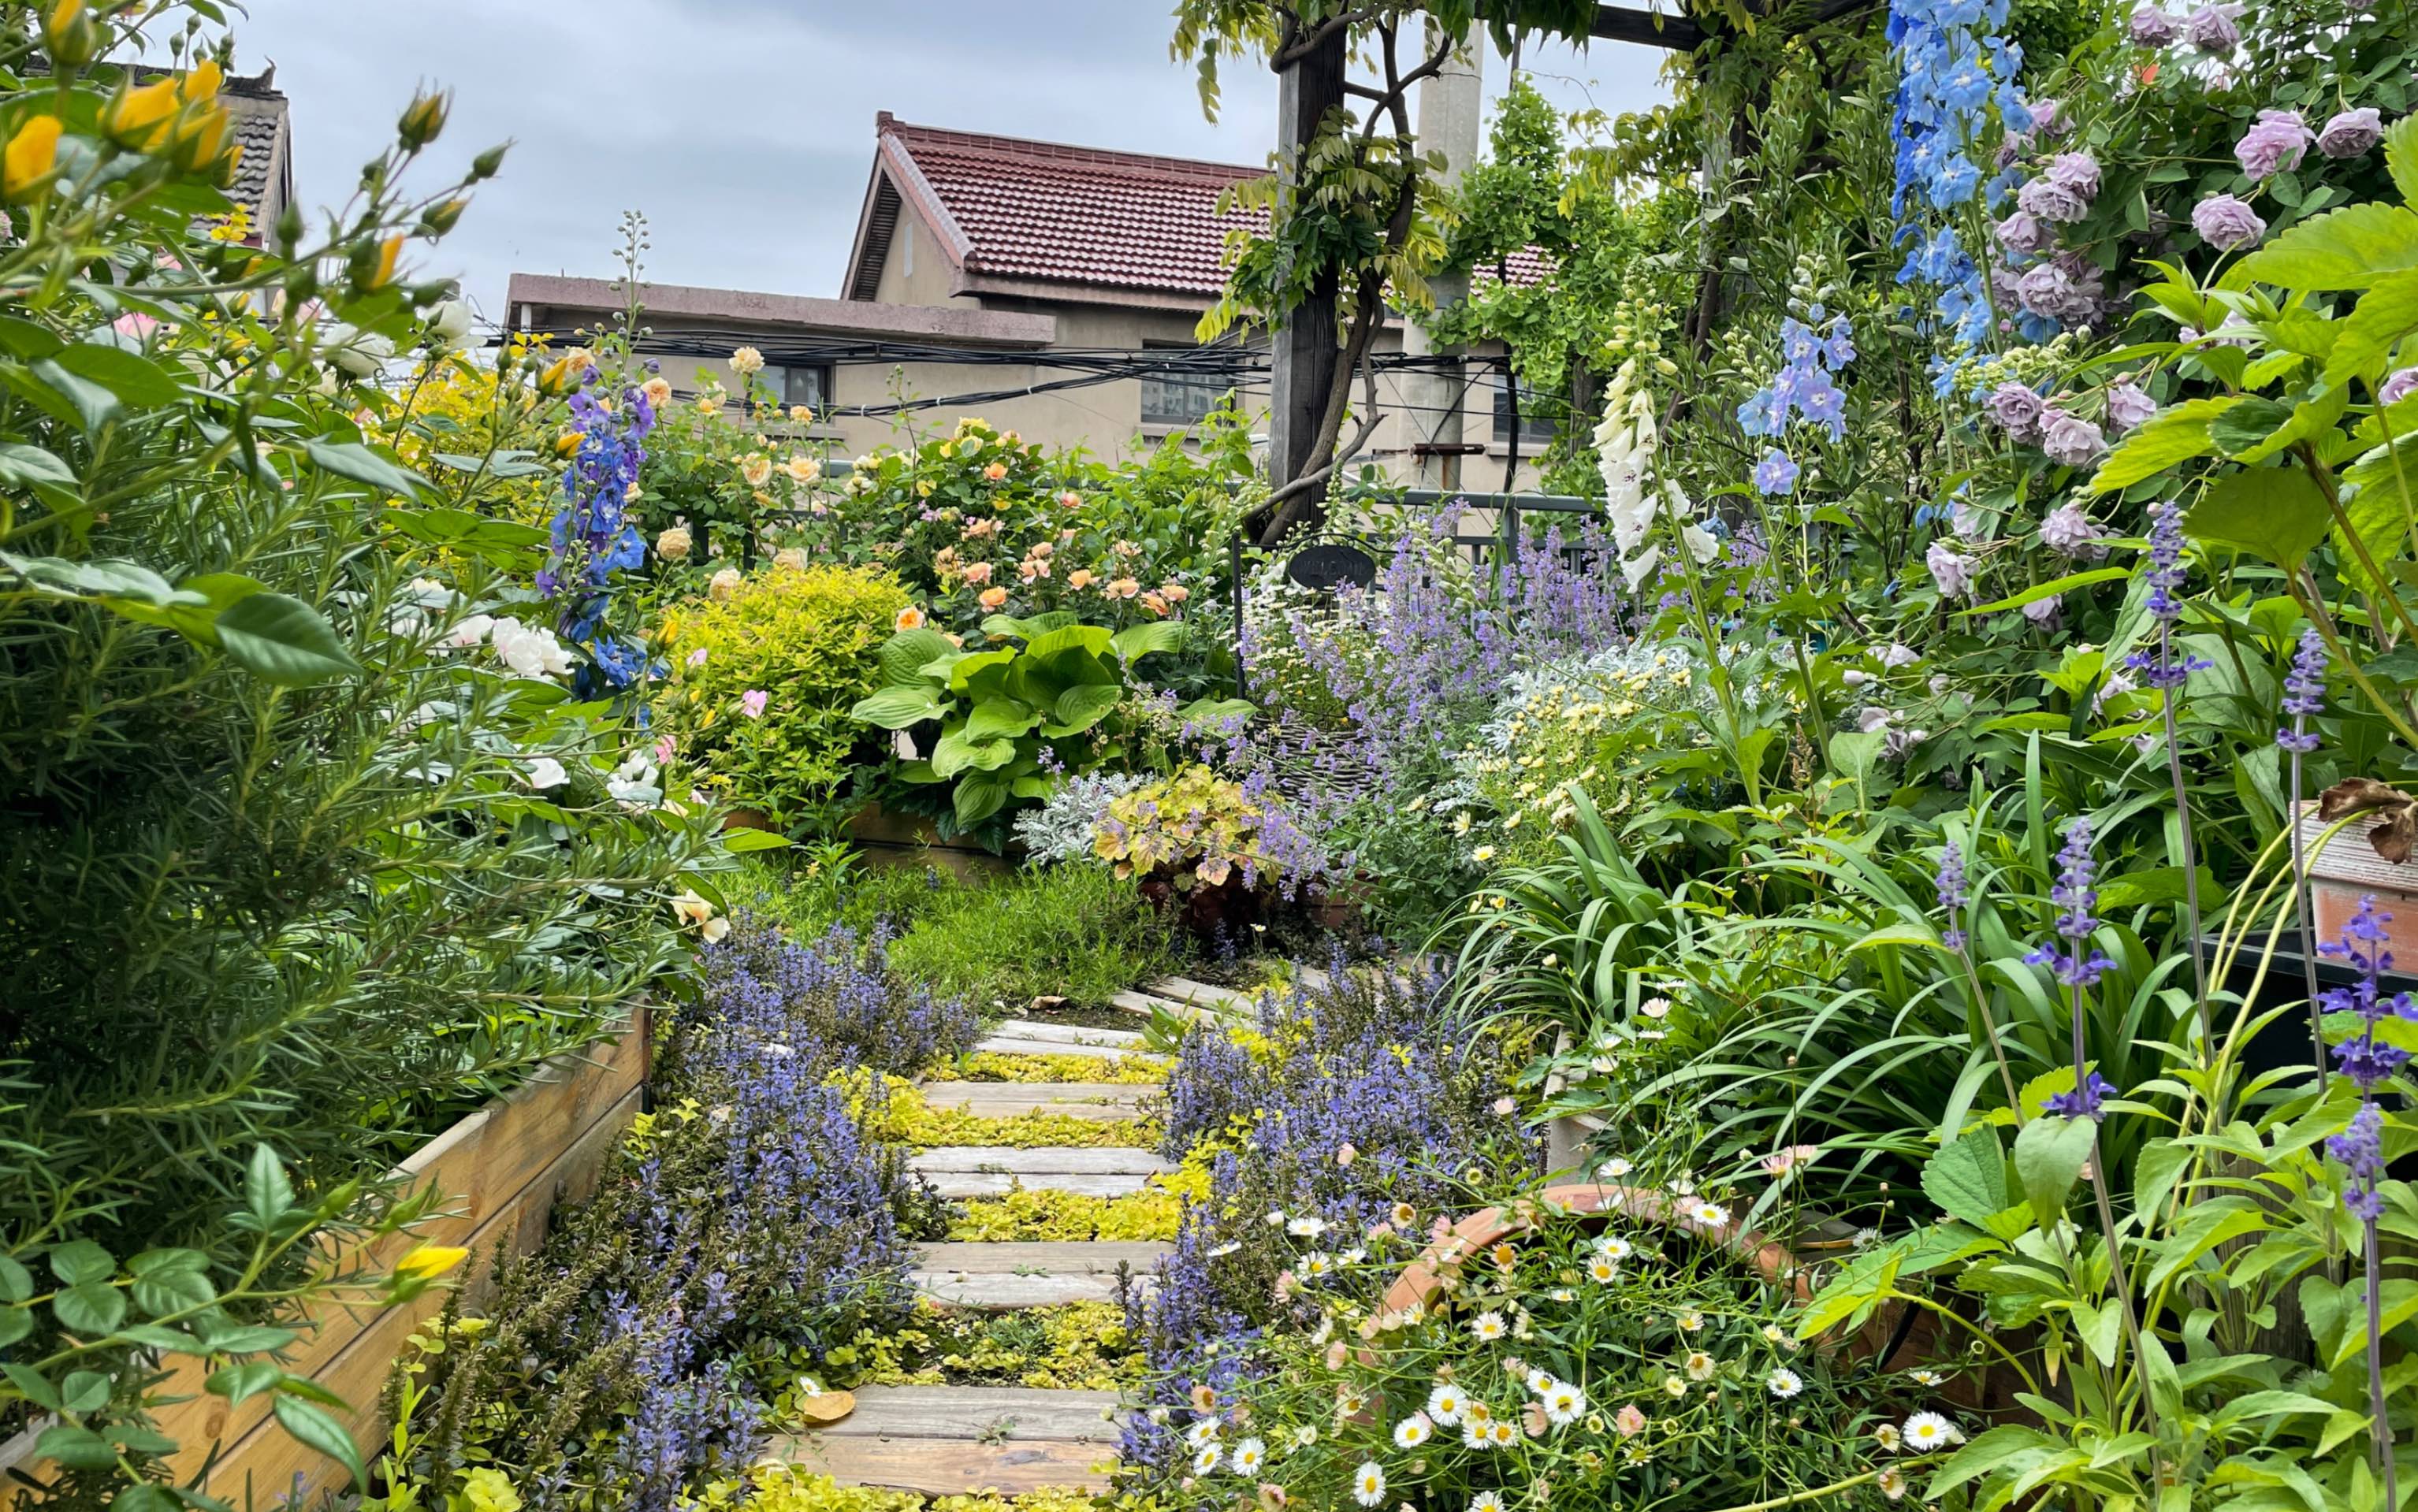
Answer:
(1051, 289)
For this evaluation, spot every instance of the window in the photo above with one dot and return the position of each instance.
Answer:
(1538, 413)
(809, 385)
(1180, 398)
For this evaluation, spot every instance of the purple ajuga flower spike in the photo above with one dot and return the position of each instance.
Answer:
(2077, 965)
(2088, 1101)
(2305, 694)
(1951, 895)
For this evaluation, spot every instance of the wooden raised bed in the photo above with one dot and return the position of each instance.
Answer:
(502, 1171)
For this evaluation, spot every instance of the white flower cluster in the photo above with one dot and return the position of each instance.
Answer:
(1625, 443)
(529, 650)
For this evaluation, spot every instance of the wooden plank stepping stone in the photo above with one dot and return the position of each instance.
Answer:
(1001, 1278)
(1029, 1029)
(1105, 1102)
(943, 1440)
(1148, 1004)
(1184, 989)
(1000, 1182)
(1017, 1044)
(1112, 1160)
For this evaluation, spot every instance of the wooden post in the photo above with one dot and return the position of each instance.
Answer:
(1305, 352)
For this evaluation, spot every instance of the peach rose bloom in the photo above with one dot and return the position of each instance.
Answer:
(978, 572)
(757, 468)
(1174, 592)
(1123, 587)
(1081, 577)
(1154, 604)
(996, 471)
(993, 598)
(910, 617)
(658, 392)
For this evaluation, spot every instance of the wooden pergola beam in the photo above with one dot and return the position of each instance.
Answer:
(1620, 24)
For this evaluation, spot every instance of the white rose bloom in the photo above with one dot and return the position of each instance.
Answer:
(449, 324)
(360, 353)
(471, 632)
(546, 773)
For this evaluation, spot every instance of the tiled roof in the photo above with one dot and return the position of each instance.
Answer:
(1006, 207)
(258, 133)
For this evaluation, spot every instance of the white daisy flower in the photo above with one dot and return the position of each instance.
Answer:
(1564, 1403)
(1221, 1251)
(1926, 1431)
(1675, 1387)
(1502, 1433)
(1250, 1455)
(1700, 1366)
(1927, 1377)
(1206, 1460)
(1602, 1270)
(1690, 1320)
(1316, 1264)
(1784, 1384)
(1711, 1214)
(1487, 1327)
(1368, 1483)
(1306, 1227)
(1413, 1431)
(1614, 1248)
(1204, 1431)
(1445, 1402)
(1617, 1167)
(1275, 1218)
(1486, 1501)
(1540, 1382)
(1886, 1436)
(1305, 1435)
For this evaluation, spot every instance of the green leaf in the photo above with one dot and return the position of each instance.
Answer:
(285, 640)
(1996, 1450)
(16, 1282)
(90, 1310)
(362, 465)
(24, 341)
(32, 1384)
(1001, 719)
(904, 655)
(2176, 434)
(2276, 514)
(1212, 712)
(80, 1261)
(93, 405)
(741, 841)
(2099, 1325)
(16, 1322)
(2246, 424)
(1081, 707)
(989, 668)
(1968, 1180)
(2049, 1154)
(2350, 248)
(268, 1192)
(2384, 316)
(137, 381)
(315, 1428)
(249, 1377)
(23, 465)
(2383, 496)
(898, 707)
(1135, 642)
(2052, 588)
(172, 1290)
(78, 1448)
(980, 796)
(1053, 644)
(2401, 157)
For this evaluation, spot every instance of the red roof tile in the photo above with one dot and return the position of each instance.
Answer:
(1067, 214)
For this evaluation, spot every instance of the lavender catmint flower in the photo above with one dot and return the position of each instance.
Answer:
(2360, 1147)
(2351, 133)
(1951, 889)
(2077, 964)
(2087, 1101)
(2228, 223)
(2305, 694)
(2273, 144)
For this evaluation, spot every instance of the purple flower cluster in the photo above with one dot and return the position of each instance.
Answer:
(2078, 964)
(2365, 1060)
(2089, 1100)
(1379, 1093)
(2305, 694)
(1951, 895)
(1805, 386)
(2159, 666)
(2361, 1147)
(2275, 144)
(593, 539)
(2227, 223)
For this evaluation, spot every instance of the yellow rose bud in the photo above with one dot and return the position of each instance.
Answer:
(556, 376)
(201, 82)
(381, 272)
(31, 153)
(69, 35)
(201, 137)
(567, 445)
(424, 120)
(139, 117)
(429, 1262)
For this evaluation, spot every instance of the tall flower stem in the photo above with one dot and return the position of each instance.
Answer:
(2189, 855)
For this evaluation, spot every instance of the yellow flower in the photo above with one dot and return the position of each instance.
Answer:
(30, 155)
(801, 414)
(658, 390)
(382, 271)
(138, 117)
(430, 1261)
(757, 468)
(201, 82)
(488, 1490)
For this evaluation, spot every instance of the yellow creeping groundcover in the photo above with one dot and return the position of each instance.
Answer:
(1033, 1215)
(992, 1066)
(909, 1120)
(1079, 1346)
(775, 1487)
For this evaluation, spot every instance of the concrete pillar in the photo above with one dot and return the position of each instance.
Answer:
(1451, 120)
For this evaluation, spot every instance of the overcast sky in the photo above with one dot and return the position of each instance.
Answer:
(743, 129)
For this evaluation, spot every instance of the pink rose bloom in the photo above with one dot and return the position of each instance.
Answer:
(2227, 223)
(1953, 574)
(978, 572)
(2351, 133)
(2129, 406)
(753, 702)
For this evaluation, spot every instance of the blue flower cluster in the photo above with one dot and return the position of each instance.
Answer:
(592, 536)
(1954, 70)
(2078, 964)
(1810, 353)
(2366, 1061)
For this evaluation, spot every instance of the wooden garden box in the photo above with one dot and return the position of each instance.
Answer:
(501, 1169)
(2348, 868)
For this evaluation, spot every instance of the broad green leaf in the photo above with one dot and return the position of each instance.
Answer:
(1968, 1180)
(2384, 316)
(16, 1322)
(980, 671)
(1081, 707)
(1210, 711)
(283, 640)
(2350, 248)
(2401, 157)
(899, 707)
(268, 1191)
(2049, 1154)
(2276, 514)
(249, 1377)
(1135, 642)
(362, 465)
(80, 1261)
(2401, 1304)
(90, 1310)
(2176, 434)
(741, 841)
(2382, 498)
(2099, 1324)
(1001, 719)
(23, 465)
(980, 796)
(314, 1428)
(1999, 1448)
(2246, 424)
(93, 405)
(1004, 626)
(2312, 419)
(137, 381)
(905, 654)
(1052, 644)
(2206, 1224)
(2052, 588)
(78, 1448)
